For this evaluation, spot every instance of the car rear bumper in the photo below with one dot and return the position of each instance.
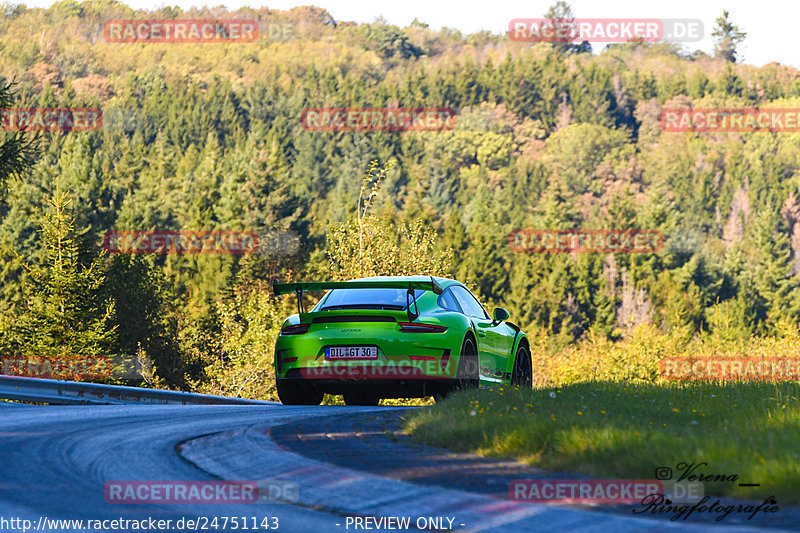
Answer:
(411, 387)
(440, 366)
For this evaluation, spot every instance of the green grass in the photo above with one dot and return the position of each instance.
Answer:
(333, 399)
(617, 430)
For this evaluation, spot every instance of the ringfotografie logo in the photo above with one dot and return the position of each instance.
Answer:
(694, 477)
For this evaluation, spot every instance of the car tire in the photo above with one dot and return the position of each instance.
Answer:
(360, 398)
(468, 373)
(522, 376)
(298, 393)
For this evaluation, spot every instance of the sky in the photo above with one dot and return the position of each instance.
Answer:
(770, 24)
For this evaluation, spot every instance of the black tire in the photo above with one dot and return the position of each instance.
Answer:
(298, 393)
(360, 398)
(468, 373)
(522, 376)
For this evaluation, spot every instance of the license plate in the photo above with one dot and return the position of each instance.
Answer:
(351, 352)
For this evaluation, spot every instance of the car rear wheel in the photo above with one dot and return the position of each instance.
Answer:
(360, 398)
(468, 373)
(522, 376)
(298, 393)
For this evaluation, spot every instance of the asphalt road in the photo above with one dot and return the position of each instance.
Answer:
(55, 463)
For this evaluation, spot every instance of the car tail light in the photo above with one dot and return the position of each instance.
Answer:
(422, 358)
(299, 329)
(410, 327)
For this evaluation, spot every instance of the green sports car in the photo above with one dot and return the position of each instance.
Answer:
(395, 337)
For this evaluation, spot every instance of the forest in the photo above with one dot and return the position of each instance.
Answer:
(547, 136)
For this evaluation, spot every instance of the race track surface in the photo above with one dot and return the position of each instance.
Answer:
(56, 461)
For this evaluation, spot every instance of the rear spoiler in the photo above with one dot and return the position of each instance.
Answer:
(300, 287)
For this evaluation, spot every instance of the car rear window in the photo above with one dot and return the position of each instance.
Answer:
(366, 299)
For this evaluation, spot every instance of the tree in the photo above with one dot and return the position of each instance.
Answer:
(372, 246)
(142, 318)
(727, 37)
(376, 247)
(67, 312)
(560, 14)
(769, 268)
(576, 154)
(243, 363)
(16, 148)
(391, 42)
(372, 180)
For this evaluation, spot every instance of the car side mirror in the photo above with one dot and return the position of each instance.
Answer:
(499, 315)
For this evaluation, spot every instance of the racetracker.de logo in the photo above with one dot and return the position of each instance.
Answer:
(378, 118)
(138, 492)
(720, 120)
(180, 242)
(57, 367)
(583, 490)
(604, 241)
(730, 368)
(50, 119)
(606, 30)
(416, 368)
(180, 31)
(543, 30)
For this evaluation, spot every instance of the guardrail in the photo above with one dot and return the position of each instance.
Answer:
(57, 392)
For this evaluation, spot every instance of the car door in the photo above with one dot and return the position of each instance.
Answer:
(492, 341)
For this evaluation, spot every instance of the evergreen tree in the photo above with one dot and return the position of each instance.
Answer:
(17, 149)
(560, 13)
(66, 312)
(727, 37)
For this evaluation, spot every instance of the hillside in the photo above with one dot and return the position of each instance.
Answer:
(209, 137)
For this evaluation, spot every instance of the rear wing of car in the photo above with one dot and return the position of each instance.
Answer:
(300, 287)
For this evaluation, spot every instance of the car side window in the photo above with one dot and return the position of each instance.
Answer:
(449, 302)
(468, 302)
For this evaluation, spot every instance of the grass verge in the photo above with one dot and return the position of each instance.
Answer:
(618, 430)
